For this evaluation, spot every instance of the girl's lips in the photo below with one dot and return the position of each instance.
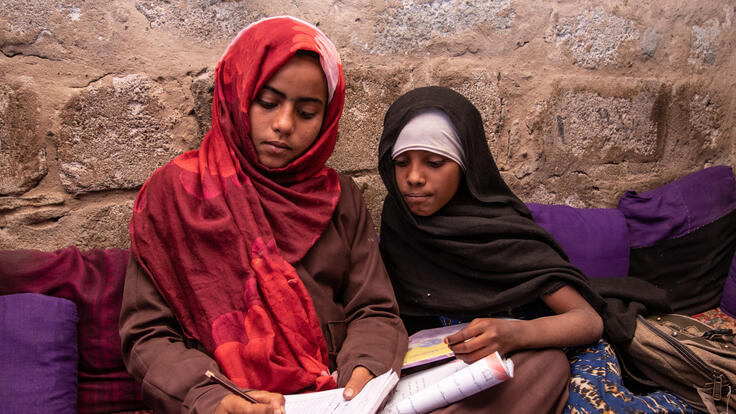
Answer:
(277, 144)
(415, 196)
(276, 147)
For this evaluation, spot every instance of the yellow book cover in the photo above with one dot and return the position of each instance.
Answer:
(428, 345)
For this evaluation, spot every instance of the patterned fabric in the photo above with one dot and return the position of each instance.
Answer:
(219, 233)
(596, 387)
(717, 319)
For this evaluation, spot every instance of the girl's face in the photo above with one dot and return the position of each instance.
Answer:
(427, 181)
(286, 116)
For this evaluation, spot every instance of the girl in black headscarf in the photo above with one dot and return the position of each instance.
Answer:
(459, 245)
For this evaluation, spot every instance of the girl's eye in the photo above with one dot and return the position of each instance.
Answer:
(398, 162)
(436, 164)
(265, 104)
(307, 114)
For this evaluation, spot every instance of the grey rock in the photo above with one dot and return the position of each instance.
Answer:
(593, 36)
(650, 41)
(704, 43)
(409, 26)
(207, 20)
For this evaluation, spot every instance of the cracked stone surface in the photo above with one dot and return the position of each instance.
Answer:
(98, 151)
(93, 227)
(22, 148)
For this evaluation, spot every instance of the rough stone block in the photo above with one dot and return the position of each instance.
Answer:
(12, 203)
(22, 145)
(480, 85)
(704, 43)
(593, 36)
(202, 19)
(601, 123)
(58, 29)
(698, 127)
(705, 118)
(91, 227)
(408, 26)
(25, 23)
(115, 136)
(373, 193)
(369, 93)
(203, 88)
(591, 134)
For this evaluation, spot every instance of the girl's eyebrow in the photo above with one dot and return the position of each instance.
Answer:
(283, 95)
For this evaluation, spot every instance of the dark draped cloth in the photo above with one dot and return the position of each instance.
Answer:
(482, 253)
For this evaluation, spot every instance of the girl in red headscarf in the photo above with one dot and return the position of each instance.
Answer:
(251, 258)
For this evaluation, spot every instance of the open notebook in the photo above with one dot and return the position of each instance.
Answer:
(417, 393)
(368, 401)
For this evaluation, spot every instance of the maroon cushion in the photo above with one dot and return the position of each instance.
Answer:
(93, 280)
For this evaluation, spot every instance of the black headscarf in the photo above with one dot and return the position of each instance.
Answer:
(482, 253)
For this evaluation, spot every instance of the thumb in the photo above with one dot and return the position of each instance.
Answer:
(357, 381)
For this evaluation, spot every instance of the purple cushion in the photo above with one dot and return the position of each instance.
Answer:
(595, 239)
(676, 209)
(93, 280)
(38, 354)
(728, 299)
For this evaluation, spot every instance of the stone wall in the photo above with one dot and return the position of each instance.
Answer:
(582, 100)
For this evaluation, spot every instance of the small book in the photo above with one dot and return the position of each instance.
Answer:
(428, 346)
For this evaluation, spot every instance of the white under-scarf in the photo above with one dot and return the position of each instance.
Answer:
(433, 131)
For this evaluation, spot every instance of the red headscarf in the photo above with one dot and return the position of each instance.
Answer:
(219, 233)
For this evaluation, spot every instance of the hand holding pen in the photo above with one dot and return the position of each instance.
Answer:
(256, 402)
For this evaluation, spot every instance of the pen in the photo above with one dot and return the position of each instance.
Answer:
(232, 388)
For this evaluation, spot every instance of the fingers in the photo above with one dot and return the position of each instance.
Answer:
(481, 337)
(472, 330)
(357, 381)
(272, 399)
(269, 403)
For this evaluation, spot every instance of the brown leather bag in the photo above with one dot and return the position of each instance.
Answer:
(686, 357)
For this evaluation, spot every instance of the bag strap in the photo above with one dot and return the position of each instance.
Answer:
(722, 335)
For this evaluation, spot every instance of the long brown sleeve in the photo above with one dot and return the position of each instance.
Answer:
(376, 337)
(352, 293)
(154, 352)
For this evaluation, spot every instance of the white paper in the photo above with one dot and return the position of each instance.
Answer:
(366, 402)
(440, 386)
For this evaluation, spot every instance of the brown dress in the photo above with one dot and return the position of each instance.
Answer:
(345, 277)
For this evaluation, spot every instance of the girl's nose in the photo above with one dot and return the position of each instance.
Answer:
(283, 121)
(415, 175)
